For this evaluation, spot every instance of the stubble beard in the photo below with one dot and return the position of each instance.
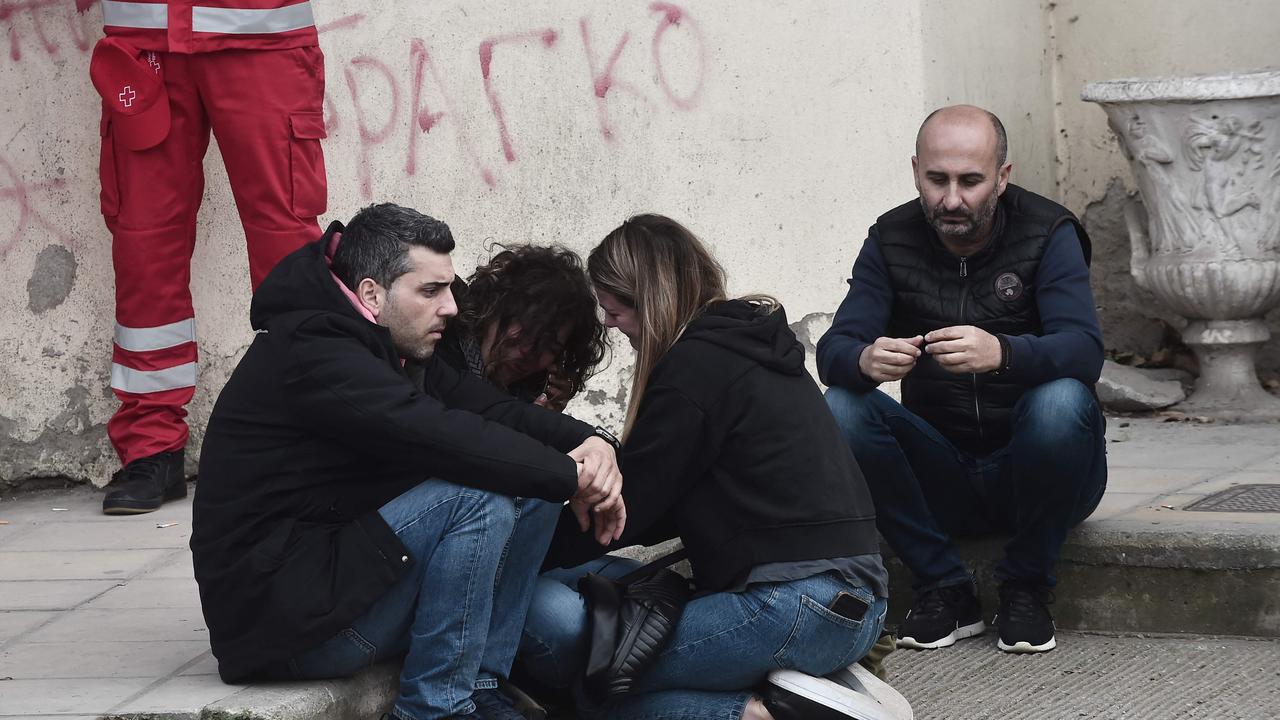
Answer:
(976, 227)
(409, 347)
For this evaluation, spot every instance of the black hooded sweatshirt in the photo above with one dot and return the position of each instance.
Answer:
(315, 430)
(734, 451)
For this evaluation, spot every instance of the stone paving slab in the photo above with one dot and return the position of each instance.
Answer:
(77, 564)
(37, 698)
(50, 594)
(147, 625)
(96, 659)
(15, 623)
(148, 593)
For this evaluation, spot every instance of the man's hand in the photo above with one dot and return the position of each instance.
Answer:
(888, 359)
(964, 349)
(599, 485)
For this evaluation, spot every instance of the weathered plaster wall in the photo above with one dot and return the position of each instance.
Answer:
(1100, 40)
(776, 130)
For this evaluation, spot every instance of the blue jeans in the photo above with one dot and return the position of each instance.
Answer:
(1046, 481)
(456, 615)
(725, 644)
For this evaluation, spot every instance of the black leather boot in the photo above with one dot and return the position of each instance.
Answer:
(146, 483)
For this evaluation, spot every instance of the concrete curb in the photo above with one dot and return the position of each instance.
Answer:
(1174, 544)
(366, 695)
(1175, 578)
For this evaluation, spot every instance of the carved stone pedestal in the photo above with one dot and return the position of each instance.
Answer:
(1206, 154)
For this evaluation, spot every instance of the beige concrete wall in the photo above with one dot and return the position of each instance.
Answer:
(996, 54)
(776, 130)
(1101, 40)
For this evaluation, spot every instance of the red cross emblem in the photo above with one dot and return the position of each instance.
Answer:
(127, 95)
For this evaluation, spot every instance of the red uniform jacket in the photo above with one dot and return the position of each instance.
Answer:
(197, 26)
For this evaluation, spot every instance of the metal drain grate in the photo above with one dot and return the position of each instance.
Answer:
(1241, 498)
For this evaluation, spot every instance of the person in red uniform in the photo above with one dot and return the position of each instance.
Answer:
(251, 72)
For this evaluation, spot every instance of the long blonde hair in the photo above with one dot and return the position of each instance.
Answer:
(657, 266)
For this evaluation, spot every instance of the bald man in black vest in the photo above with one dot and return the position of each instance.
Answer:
(976, 296)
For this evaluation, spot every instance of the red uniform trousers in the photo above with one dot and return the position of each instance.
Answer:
(264, 107)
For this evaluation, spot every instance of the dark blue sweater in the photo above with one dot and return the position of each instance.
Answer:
(1071, 346)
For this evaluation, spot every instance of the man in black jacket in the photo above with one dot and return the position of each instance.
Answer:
(344, 516)
(976, 297)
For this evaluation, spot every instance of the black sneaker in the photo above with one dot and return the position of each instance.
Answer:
(524, 704)
(941, 616)
(793, 695)
(1024, 620)
(146, 483)
(493, 705)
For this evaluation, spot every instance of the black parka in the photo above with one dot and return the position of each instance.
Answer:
(315, 430)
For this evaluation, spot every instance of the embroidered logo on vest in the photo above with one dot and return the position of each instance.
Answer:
(1009, 287)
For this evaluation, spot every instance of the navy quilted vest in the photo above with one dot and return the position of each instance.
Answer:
(993, 289)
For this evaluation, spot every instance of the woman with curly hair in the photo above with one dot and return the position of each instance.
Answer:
(527, 322)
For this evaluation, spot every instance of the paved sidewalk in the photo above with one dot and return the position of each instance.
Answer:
(1096, 677)
(99, 615)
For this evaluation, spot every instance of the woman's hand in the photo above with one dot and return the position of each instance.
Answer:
(557, 393)
(609, 524)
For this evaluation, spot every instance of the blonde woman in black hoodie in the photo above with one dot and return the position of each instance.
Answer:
(729, 446)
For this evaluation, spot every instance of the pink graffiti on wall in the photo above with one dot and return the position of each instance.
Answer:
(548, 38)
(422, 119)
(673, 16)
(375, 91)
(27, 18)
(13, 189)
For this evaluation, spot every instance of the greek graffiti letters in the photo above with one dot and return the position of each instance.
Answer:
(604, 81)
(369, 137)
(548, 38)
(672, 17)
(423, 120)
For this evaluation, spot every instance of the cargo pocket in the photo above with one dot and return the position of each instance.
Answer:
(306, 161)
(110, 195)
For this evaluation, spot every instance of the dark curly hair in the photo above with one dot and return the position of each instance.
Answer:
(540, 289)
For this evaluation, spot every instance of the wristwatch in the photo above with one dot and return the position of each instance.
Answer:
(607, 437)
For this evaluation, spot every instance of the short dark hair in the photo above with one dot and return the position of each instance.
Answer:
(375, 244)
(540, 288)
(1002, 138)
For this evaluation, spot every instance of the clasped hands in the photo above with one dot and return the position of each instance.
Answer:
(958, 349)
(599, 493)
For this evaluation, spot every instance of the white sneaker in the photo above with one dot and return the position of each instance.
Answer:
(861, 680)
(793, 695)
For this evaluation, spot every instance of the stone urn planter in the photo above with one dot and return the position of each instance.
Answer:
(1206, 155)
